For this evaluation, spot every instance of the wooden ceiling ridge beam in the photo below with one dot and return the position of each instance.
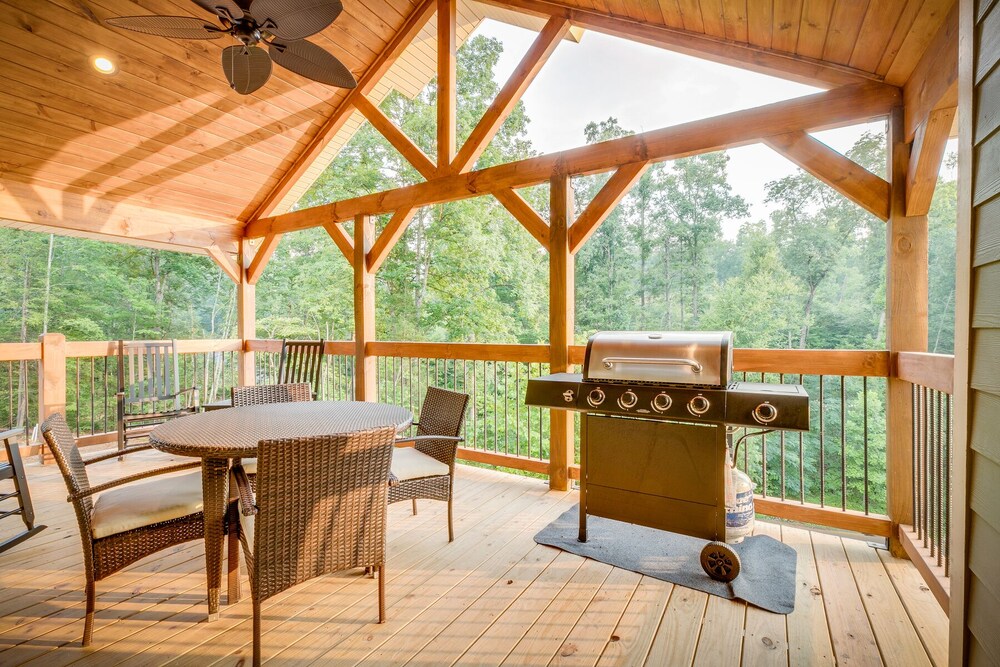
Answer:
(746, 56)
(262, 257)
(387, 240)
(925, 160)
(341, 239)
(847, 177)
(395, 136)
(833, 108)
(301, 162)
(524, 213)
(505, 101)
(933, 84)
(225, 262)
(97, 216)
(604, 202)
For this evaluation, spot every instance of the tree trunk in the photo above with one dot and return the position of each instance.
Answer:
(804, 331)
(22, 367)
(48, 285)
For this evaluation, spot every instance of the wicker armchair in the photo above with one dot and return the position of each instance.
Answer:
(264, 394)
(124, 525)
(320, 507)
(427, 469)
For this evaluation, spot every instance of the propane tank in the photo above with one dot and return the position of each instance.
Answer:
(739, 503)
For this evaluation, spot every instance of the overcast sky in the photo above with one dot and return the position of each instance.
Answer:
(647, 88)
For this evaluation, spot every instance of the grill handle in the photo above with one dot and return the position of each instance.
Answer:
(609, 362)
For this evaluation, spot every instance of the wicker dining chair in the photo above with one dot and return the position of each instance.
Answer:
(124, 525)
(320, 507)
(427, 469)
(264, 394)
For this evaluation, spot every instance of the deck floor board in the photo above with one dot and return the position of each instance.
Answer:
(490, 597)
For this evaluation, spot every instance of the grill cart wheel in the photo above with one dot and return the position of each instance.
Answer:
(720, 561)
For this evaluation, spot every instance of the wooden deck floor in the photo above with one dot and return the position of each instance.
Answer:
(490, 597)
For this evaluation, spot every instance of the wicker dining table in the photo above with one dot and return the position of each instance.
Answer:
(222, 436)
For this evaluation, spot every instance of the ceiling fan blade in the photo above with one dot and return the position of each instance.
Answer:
(225, 9)
(247, 68)
(312, 62)
(295, 19)
(177, 27)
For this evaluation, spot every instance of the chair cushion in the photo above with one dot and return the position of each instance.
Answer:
(145, 503)
(408, 463)
(249, 465)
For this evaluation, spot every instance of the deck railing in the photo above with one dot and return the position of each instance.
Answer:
(834, 475)
(927, 540)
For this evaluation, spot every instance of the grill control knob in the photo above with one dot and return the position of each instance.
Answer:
(698, 405)
(628, 400)
(661, 402)
(595, 397)
(765, 413)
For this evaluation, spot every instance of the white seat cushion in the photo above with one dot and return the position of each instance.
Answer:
(408, 463)
(249, 466)
(145, 503)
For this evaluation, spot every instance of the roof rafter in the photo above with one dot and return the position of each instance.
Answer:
(797, 68)
(395, 136)
(413, 25)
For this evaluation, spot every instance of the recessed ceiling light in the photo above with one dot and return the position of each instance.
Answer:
(103, 65)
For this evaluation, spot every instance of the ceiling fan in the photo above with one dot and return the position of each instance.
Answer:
(282, 25)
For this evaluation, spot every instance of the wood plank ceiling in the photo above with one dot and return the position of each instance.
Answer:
(166, 132)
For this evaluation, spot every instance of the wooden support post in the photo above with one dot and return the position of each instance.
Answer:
(447, 17)
(246, 316)
(562, 318)
(906, 327)
(364, 310)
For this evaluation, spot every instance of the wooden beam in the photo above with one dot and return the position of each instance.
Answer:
(225, 262)
(447, 77)
(525, 214)
(933, 84)
(364, 311)
(822, 110)
(51, 375)
(562, 319)
(341, 239)
(925, 160)
(246, 317)
(936, 371)
(397, 138)
(604, 203)
(262, 257)
(56, 209)
(839, 172)
(906, 328)
(811, 71)
(301, 162)
(505, 101)
(387, 240)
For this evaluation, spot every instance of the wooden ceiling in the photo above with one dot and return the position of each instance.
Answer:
(166, 133)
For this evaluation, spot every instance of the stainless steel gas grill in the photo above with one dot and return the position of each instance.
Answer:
(657, 410)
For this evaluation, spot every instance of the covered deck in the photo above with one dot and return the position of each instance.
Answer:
(490, 597)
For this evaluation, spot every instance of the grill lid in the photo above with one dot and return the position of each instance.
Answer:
(703, 358)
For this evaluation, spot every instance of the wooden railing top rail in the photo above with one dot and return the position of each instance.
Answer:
(274, 345)
(109, 348)
(870, 363)
(20, 351)
(936, 371)
(534, 354)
